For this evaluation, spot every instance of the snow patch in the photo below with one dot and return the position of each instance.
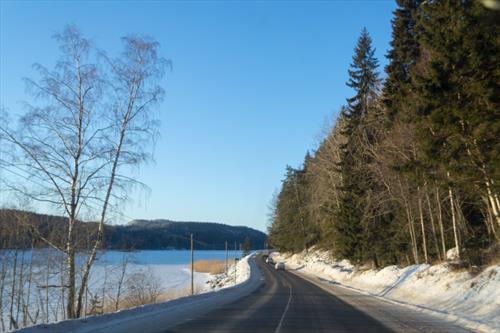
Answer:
(452, 254)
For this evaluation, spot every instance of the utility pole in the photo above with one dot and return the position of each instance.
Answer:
(235, 261)
(192, 265)
(226, 257)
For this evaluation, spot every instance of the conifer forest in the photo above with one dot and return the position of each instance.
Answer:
(411, 167)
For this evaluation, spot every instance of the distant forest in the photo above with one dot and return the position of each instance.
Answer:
(25, 230)
(411, 168)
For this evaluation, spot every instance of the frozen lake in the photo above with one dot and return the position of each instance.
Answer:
(171, 267)
(36, 291)
(164, 257)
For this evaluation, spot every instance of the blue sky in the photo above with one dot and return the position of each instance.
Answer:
(252, 85)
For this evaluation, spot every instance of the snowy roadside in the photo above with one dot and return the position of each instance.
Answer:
(239, 272)
(160, 316)
(472, 301)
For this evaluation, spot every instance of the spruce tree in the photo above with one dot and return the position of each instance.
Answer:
(397, 98)
(363, 78)
(292, 227)
(456, 102)
(388, 190)
(246, 247)
(402, 56)
(350, 241)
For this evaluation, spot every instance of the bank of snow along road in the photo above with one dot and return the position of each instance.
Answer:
(286, 302)
(156, 318)
(267, 301)
(469, 299)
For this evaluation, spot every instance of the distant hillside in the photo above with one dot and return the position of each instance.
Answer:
(154, 234)
(20, 229)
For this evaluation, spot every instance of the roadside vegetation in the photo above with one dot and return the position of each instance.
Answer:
(212, 266)
(411, 167)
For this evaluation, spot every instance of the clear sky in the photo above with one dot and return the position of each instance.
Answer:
(252, 85)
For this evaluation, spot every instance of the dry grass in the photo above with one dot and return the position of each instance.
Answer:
(177, 293)
(211, 266)
(163, 297)
(200, 266)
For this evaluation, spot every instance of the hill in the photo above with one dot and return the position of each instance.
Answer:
(153, 234)
(22, 229)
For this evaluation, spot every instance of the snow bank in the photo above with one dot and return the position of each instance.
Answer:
(236, 274)
(474, 299)
(159, 317)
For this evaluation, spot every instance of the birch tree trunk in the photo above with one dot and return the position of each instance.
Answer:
(3, 274)
(421, 215)
(412, 234)
(433, 225)
(63, 293)
(27, 303)
(494, 204)
(440, 220)
(410, 222)
(12, 323)
(47, 275)
(122, 279)
(490, 223)
(135, 74)
(454, 220)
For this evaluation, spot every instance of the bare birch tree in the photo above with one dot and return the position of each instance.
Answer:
(92, 118)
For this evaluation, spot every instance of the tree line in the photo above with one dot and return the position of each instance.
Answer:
(24, 230)
(410, 169)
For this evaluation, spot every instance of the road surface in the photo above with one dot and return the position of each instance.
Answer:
(288, 303)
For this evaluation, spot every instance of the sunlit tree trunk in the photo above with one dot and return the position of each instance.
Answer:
(454, 220)
(421, 215)
(433, 225)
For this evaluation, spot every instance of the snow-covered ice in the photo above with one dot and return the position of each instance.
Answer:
(169, 269)
(159, 317)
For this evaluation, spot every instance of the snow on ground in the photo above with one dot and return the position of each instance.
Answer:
(158, 317)
(168, 277)
(459, 294)
(241, 272)
(168, 270)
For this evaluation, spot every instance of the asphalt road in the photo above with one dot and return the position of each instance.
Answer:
(288, 303)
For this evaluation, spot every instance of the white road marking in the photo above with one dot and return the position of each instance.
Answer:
(286, 310)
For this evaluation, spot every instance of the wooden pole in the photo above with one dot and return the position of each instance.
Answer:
(192, 265)
(235, 261)
(226, 257)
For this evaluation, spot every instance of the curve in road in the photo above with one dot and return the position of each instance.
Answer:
(286, 303)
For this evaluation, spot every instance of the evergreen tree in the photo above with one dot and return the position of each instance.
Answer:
(407, 181)
(363, 78)
(397, 97)
(402, 56)
(350, 240)
(291, 229)
(246, 246)
(456, 83)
